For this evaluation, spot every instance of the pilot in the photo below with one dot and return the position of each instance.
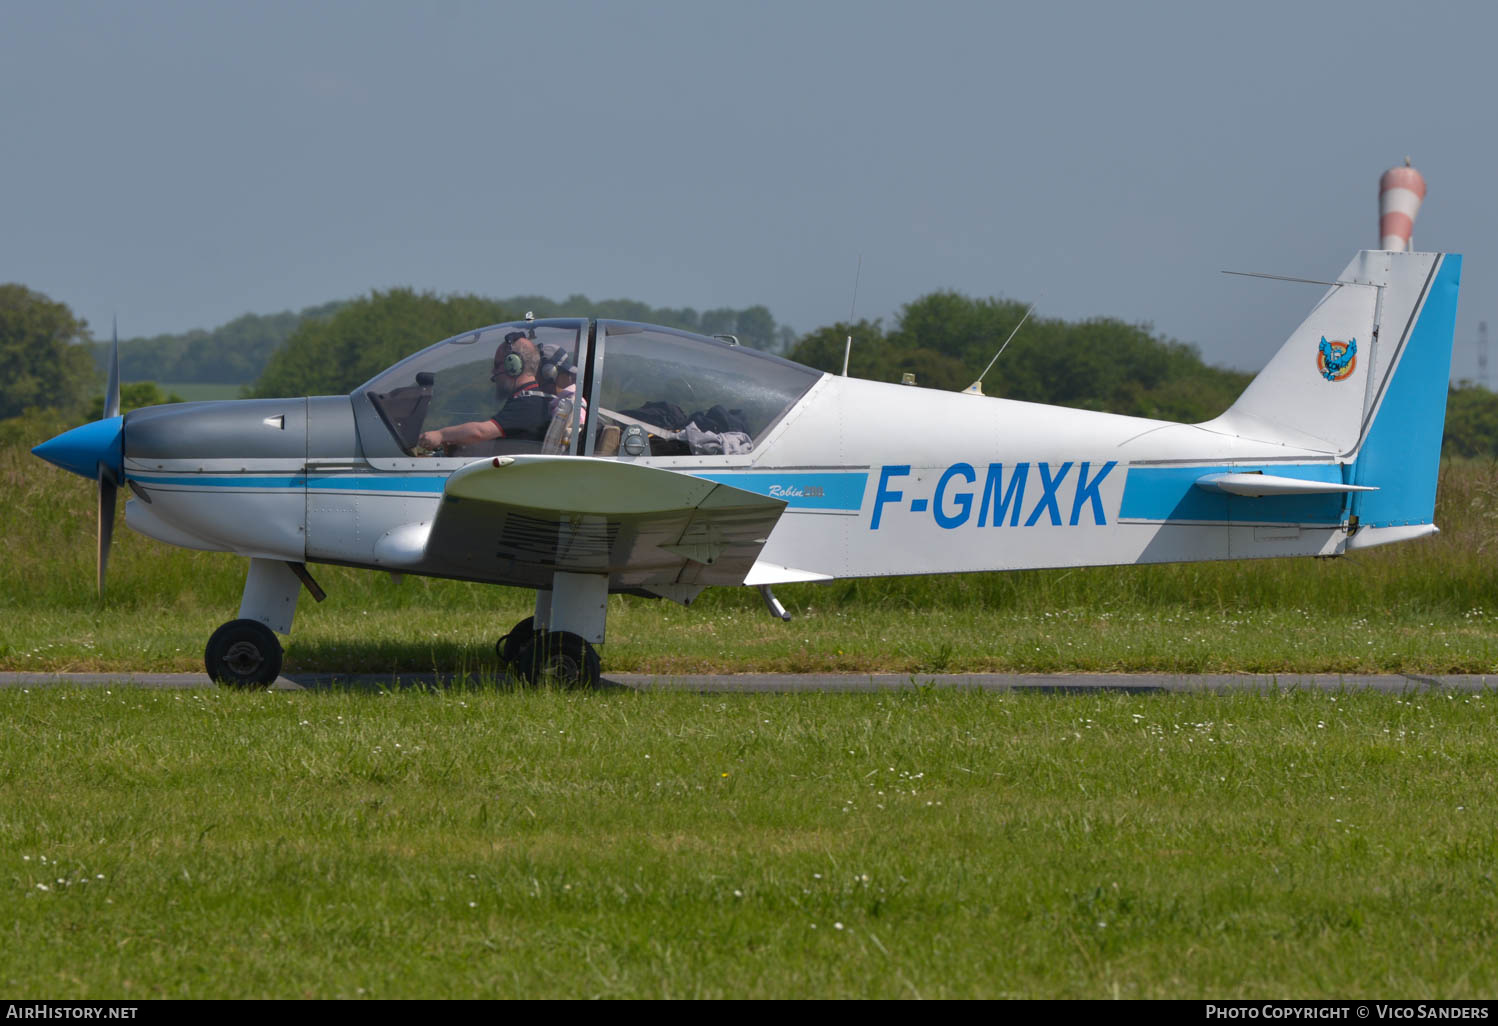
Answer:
(526, 411)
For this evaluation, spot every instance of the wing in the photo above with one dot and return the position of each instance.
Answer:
(520, 519)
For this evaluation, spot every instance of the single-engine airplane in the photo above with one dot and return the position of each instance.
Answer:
(691, 461)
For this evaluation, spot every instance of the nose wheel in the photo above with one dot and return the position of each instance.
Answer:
(243, 653)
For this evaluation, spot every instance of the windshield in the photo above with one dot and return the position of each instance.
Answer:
(458, 381)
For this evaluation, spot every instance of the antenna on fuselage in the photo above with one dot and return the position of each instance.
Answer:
(976, 388)
(848, 348)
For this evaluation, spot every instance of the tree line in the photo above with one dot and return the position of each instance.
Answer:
(238, 352)
(332, 355)
(945, 340)
(48, 357)
(234, 353)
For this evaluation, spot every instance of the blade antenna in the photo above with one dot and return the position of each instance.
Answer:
(848, 348)
(1285, 277)
(976, 388)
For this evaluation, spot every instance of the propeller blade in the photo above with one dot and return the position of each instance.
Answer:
(112, 393)
(107, 490)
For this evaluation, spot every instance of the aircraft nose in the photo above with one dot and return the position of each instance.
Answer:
(84, 448)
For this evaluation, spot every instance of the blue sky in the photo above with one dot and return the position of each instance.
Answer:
(182, 163)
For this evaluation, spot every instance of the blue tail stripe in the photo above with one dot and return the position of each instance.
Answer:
(1402, 453)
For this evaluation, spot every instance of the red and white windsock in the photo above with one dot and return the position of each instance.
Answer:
(1400, 191)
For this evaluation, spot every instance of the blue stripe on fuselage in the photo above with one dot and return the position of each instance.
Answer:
(387, 483)
(261, 482)
(1169, 493)
(822, 490)
(813, 491)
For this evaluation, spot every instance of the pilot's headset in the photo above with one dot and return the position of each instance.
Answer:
(552, 364)
(512, 364)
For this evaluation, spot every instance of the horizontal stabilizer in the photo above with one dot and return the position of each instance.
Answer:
(1268, 484)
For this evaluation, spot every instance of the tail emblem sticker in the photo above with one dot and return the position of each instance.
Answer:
(1337, 360)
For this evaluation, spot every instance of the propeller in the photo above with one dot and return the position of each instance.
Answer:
(96, 450)
(107, 491)
(112, 393)
(108, 481)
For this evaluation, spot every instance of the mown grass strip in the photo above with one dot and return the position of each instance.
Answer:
(491, 843)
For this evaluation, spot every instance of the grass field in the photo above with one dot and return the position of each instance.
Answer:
(491, 843)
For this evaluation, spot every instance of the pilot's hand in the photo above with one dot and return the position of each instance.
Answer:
(431, 440)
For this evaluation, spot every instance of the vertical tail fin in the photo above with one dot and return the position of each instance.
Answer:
(1364, 380)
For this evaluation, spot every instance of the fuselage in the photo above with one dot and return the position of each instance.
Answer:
(877, 479)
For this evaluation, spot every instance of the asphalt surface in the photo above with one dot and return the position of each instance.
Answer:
(856, 682)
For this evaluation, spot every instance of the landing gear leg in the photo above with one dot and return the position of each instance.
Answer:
(569, 621)
(246, 652)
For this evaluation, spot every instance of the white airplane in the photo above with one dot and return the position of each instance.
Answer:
(694, 462)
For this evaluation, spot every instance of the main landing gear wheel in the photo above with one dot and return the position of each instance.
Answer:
(558, 656)
(243, 653)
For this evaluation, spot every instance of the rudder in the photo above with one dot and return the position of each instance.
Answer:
(1400, 452)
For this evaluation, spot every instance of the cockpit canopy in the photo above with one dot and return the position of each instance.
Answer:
(646, 390)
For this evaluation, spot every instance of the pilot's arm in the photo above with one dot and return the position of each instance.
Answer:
(461, 434)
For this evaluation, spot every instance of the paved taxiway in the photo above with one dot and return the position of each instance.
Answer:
(794, 682)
